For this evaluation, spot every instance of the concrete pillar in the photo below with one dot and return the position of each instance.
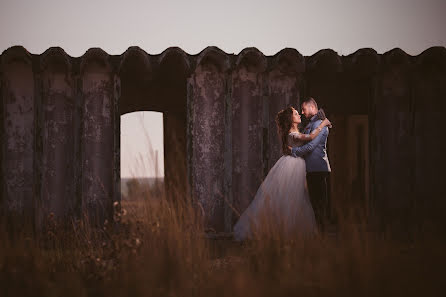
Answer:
(18, 138)
(428, 113)
(99, 92)
(248, 81)
(394, 149)
(208, 91)
(57, 137)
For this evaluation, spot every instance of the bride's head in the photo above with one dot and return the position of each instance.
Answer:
(296, 117)
(284, 120)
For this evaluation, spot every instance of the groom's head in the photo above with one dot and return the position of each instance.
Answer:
(309, 107)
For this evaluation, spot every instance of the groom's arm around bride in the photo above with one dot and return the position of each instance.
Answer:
(304, 150)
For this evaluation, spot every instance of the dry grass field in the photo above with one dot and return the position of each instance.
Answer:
(154, 247)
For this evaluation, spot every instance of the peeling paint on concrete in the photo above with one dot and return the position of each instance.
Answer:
(247, 141)
(58, 144)
(97, 142)
(209, 142)
(18, 158)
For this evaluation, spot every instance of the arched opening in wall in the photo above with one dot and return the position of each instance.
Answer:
(142, 156)
(159, 84)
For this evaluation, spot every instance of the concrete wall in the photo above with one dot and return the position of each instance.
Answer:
(60, 127)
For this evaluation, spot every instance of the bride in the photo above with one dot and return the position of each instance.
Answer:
(281, 206)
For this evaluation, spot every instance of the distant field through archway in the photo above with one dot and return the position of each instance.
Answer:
(142, 151)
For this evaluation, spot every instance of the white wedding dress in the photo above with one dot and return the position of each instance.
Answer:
(281, 206)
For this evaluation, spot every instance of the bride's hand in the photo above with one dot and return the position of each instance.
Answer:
(287, 151)
(326, 122)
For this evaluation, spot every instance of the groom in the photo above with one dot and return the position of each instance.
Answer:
(318, 167)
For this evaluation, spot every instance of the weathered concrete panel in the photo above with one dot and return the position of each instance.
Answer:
(394, 142)
(2, 130)
(208, 132)
(116, 196)
(18, 124)
(429, 159)
(57, 194)
(247, 128)
(97, 138)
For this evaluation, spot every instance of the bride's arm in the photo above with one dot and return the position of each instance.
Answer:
(313, 134)
(300, 151)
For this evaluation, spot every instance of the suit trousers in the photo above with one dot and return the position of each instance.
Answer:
(318, 190)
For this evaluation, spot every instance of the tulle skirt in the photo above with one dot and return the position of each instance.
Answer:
(281, 206)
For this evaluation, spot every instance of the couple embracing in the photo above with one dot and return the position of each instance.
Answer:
(293, 198)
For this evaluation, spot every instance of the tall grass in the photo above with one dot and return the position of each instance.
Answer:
(156, 246)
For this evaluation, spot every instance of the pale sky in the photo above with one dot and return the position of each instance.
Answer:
(308, 26)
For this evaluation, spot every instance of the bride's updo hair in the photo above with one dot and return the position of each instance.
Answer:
(283, 122)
